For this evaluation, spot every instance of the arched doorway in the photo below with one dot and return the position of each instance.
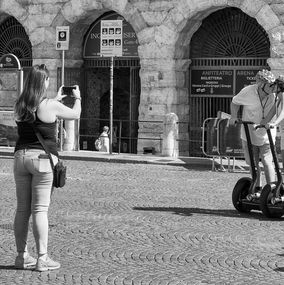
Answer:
(126, 87)
(226, 52)
(14, 39)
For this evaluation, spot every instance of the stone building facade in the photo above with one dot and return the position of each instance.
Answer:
(164, 30)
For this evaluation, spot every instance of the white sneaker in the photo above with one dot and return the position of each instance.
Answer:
(48, 264)
(25, 263)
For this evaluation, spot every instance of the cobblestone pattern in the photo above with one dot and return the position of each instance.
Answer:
(143, 224)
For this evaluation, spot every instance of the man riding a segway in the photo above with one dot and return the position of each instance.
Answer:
(257, 101)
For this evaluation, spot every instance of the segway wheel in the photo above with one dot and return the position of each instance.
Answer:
(240, 192)
(265, 203)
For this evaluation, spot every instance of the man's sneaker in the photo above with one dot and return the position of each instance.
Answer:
(25, 263)
(48, 264)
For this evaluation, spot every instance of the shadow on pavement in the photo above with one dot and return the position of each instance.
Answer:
(7, 267)
(215, 212)
(279, 269)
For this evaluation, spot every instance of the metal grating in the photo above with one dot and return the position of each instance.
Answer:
(225, 62)
(117, 62)
(230, 33)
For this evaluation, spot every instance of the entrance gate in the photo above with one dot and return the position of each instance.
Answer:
(126, 88)
(126, 99)
(213, 83)
(226, 52)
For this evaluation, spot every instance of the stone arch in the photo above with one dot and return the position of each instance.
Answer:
(79, 15)
(190, 21)
(13, 9)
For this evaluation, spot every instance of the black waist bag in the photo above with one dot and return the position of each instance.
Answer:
(59, 174)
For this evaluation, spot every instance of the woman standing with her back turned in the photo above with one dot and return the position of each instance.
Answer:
(32, 170)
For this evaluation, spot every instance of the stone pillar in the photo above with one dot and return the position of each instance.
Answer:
(170, 136)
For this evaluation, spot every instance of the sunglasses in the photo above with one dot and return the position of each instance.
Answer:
(270, 85)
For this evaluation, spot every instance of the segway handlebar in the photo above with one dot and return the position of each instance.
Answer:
(263, 126)
(240, 121)
(256, 126)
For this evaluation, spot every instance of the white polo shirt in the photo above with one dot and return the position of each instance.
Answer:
(254, 111)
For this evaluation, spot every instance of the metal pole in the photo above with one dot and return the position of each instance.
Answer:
(61, 134)
(20, 81)
(111, 105)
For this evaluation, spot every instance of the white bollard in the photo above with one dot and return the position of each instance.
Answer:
(69, 135)
(170, 135)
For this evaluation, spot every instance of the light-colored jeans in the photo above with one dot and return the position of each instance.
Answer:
(262, 152)
(33, 177)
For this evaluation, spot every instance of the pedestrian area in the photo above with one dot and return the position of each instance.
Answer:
(126, 223)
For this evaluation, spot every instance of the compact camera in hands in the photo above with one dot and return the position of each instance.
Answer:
(67, 90)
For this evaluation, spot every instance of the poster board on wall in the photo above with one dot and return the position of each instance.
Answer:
(8, 128)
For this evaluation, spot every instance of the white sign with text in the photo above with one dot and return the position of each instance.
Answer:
(111, 38)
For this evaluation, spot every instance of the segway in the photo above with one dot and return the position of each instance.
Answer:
(244, 196)
(272, 195)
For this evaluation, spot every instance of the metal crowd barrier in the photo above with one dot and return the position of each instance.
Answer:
(221, 141)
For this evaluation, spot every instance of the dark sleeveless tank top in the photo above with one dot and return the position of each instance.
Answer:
(27, 138)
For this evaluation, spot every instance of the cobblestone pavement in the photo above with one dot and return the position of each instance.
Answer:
(144, 224)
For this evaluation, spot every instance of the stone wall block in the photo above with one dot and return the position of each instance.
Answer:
(35, 9)
(118, 6)
(180, 79)
(182, 96)
(221, 3)
(276, 63)
(182, 64)
(182, 110)
(141, 5)
(51, 8)
(160, 6)
(277, 35)
(154, 18)
(278, 8)
(153, 50)
(165, 36)
(50, 35)
(277, 50)
(27, 2)
(166, 96)
(45, 51)
(267, 18)
(156, 110)
(13, 8)
(183, 7)
(281, 18)
(135, 18)
(252, 7)
(37, 36)
(146, 35)
(74, 9)
(175, 20)
(235, 3)
(199, 5)
(34, 22)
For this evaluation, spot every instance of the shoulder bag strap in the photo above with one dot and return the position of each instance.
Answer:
(41, 140)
